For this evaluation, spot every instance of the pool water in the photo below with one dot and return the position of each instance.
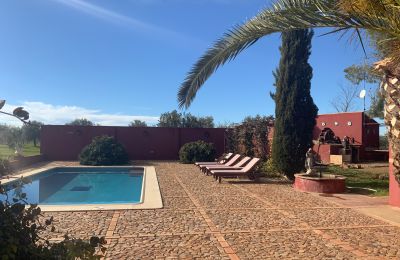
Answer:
(85, 185)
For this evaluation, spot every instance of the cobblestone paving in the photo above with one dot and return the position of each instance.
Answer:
(284, 245)
(160, 222)
(380, 241)
(92, 223)
(251, 219)
(237, 219)
(172, 247)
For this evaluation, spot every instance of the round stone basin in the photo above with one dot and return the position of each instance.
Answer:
(328, 183)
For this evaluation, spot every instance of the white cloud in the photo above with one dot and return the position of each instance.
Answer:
(54, 115)
(118, 18)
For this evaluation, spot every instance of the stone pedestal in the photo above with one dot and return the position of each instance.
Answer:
(329, 183)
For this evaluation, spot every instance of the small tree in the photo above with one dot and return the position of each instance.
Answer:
(175, 119)
(3, 133)
(81, 122)
(295, 110)
(15, 138)
(31, 132)
(170, 119)
(137, 123)
(344, 101)
(191, 121)
(358, 74)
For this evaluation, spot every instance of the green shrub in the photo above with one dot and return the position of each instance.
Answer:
(268, 169)
(104, 150)
(250, 138)
(198, 151)
(4, 167)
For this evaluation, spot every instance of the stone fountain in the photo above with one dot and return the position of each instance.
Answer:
(316, 181)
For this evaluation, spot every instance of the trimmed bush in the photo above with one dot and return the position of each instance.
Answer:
(104, 150)
(198, 151)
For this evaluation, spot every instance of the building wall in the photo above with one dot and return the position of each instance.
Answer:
(61, 142)
(371, 134)
(343, 127)
(325, 150)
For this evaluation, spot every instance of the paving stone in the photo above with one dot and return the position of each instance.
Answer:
(167, 247)
(79, 224)
(238, 220)
(173, 193)
(178, 203)
(375, 242)
(159, 222)
(284, 196)
(284, 245)
(217, 202)
(335, 217)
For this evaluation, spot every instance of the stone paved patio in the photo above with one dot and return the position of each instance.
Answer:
(234, 220)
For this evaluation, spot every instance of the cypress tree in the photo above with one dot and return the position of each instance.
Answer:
(295, 110)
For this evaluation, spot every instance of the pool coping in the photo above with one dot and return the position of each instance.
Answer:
(150, 198)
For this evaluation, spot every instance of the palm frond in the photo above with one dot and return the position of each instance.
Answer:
(284, 15)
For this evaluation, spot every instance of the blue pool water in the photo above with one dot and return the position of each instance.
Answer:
(90, 185)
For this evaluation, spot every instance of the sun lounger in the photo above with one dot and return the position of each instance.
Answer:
(237, 166)
(245, 171)
(228, 163)
(221, 161)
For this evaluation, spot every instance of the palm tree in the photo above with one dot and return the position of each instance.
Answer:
(376, 16)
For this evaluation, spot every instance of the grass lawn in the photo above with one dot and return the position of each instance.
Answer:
(365, 178)
(29, 150)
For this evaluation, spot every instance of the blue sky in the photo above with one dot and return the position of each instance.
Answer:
(115, 61)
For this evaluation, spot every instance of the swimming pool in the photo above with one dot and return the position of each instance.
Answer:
(91, 188)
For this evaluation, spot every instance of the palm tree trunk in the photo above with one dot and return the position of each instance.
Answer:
(390, 88)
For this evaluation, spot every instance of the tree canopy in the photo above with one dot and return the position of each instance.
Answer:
(358, 74)
(176, 119)
(137, 123)
(31, 132)
(81, 122)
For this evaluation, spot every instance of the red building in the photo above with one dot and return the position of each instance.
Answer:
(362, 133)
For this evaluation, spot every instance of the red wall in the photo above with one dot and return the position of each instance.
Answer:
(325, 150)
(61, 142)
(342, 129)
(371, 134)
(368, 138)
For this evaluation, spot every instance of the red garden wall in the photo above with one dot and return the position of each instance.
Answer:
(61, 142)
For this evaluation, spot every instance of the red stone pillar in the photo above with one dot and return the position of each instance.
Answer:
(394, 186)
